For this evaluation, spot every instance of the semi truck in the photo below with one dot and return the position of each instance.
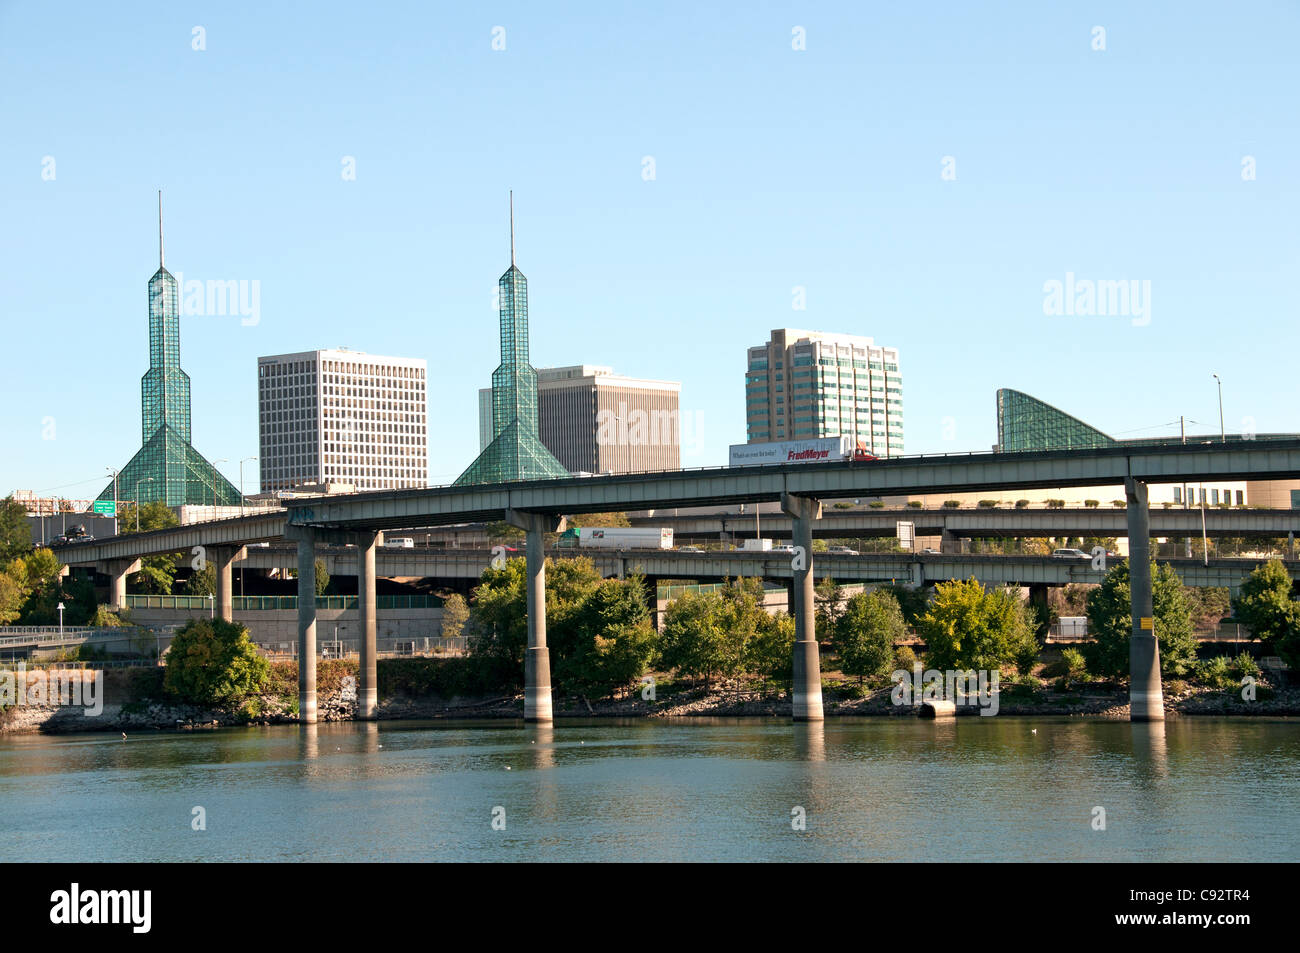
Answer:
(816, 450)
(633, 537)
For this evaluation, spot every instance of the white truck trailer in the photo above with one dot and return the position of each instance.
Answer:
(634, 537)
(815, 450)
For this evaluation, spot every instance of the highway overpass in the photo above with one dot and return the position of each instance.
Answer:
(984, 523)
(539, 507)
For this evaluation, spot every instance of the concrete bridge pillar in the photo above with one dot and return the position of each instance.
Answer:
(224, 558)
(807, 688)
(117, 570)
(1146, 699)
(368, 687)
(537, 658)
(306, 625)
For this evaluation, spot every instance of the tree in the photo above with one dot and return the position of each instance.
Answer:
(1110, 622)
(455, 613)
(606, 638)
(697, 641)
(600, 632)
(15, 535)
(202, 582)
(1265, 606)
(322, 577)
(829, 599)
(157, 573)
(13, 591)
(865, 635)
(969, 627)
(769, 654)
(212, 662)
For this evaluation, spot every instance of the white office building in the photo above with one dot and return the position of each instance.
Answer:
(807, 384)
(342, 416)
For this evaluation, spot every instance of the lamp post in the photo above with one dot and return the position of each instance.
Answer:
(241, 483)
(1223, 438)
(212, 606)
(115, 473)
(137, 500)
(60, 619)
(214, 485)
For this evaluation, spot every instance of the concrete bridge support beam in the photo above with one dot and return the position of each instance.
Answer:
(807, 688)
(1146, 699)
(368, 687)
(537, 658)
(223, 559)
(306, 626)
(117, 570)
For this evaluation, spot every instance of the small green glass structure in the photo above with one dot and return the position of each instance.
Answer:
(516, 451)
(167, 467)
(1026, 423)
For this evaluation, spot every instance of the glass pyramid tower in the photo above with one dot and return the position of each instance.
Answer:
(1027, 423)
(167, 467)
(516, 451)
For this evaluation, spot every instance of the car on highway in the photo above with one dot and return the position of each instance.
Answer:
(690, 549)
(1069, 554)
(841, 551)
(930, 551)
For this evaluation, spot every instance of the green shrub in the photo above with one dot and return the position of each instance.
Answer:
(989, 504)
(1055, 504)
(1092, 504)
(1075, 666)
(841, 505)
(1244, 665)
(1214, 673)
(876, 504)
(212, 662)
(1022, 504)
(904, 658)
(951, 504)
(915, 504)
(1176, 686)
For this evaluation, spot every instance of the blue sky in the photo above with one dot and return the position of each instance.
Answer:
(774, 168)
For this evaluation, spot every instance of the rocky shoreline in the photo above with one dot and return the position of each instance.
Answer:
(158, 716)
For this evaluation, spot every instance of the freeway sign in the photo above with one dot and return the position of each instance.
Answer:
(104, 507)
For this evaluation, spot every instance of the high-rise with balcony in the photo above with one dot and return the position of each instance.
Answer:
(342, 416)
(803, 384)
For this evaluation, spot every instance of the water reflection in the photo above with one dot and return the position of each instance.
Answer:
(892, 788)
(1150, 751)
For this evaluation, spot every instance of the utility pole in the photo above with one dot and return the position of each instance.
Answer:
(115, 473)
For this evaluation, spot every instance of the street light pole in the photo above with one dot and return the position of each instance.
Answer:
(241, 483)
(1223, 438)
(60, 619)
(214, 485)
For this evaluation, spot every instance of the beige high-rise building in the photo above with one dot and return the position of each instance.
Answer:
(341, 416)
(804, 384)
(595, 421)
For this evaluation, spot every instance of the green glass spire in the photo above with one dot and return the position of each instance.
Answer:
(516, 451)
(167, 467)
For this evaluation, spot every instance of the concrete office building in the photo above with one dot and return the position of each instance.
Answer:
(594, 421)
(804, 384)
(341, 416)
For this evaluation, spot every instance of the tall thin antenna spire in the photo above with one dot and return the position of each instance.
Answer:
(160, 237)
(512, 226)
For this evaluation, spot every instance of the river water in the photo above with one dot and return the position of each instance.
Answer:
(879, 789)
